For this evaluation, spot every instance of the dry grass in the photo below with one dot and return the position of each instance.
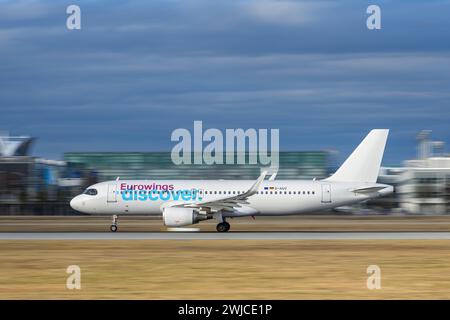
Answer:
(225, 269)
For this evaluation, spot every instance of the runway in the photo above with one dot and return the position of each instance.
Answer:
(225, 236)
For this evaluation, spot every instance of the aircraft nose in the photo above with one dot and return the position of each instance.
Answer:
(75, 203)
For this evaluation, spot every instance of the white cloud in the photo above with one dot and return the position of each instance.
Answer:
(23, 9)
(282, 12)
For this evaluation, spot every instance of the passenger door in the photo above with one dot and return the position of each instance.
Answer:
(326, 193)
(112, 192)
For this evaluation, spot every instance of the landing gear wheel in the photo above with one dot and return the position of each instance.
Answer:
(114, 224)
(223, 227)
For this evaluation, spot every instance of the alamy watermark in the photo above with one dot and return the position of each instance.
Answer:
(373, 22)
(374, 279)
(236, 146)
(74, 279)
(73, 21)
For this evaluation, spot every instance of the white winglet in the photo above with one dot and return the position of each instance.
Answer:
(255, 186)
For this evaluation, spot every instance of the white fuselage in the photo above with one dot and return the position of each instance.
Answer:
(282, 197)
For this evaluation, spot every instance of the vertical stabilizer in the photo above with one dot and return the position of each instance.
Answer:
(364, 163)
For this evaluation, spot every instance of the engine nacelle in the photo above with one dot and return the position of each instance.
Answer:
(178, 217)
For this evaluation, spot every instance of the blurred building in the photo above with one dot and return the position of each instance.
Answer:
(28, 185)
(422, 185)
(11, 146)
(159, 165)
(32, 185)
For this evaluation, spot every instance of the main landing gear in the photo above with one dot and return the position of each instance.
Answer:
(223, 226)
(114, 224)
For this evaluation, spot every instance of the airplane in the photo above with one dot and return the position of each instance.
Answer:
(185, 202)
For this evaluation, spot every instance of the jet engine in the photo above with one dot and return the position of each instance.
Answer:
(178, 217)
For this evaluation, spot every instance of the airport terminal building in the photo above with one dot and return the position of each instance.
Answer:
(32, 185)
(159, 165)
(422, 185)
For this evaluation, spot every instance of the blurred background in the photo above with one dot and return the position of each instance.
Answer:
(31, 185)
(80, 106)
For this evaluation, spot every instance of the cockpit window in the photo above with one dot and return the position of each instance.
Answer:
(90, 192)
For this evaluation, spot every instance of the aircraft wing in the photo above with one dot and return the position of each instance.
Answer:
(227, 203)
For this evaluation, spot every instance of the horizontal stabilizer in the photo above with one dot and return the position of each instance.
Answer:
(368, 190)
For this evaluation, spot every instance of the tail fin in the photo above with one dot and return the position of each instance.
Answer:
(364, 163)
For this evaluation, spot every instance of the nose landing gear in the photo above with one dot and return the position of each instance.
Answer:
(113, 227)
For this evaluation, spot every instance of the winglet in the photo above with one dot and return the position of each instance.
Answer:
(255, 186)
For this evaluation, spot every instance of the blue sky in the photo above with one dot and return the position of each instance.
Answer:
(137, 70)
